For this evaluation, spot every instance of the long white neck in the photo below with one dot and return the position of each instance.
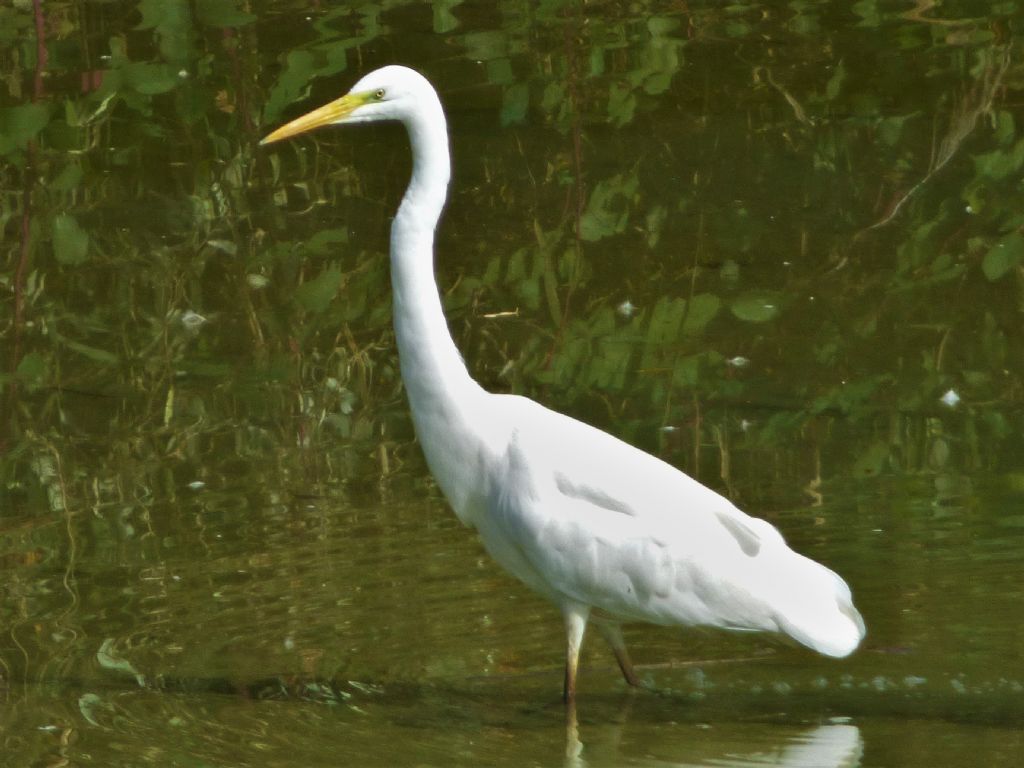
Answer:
(442, 396)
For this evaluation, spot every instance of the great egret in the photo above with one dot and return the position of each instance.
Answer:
(605, 531)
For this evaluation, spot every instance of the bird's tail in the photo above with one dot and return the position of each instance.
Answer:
(818, 610)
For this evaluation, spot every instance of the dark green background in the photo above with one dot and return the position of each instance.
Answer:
(761, 240)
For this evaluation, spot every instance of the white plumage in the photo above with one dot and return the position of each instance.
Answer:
(600, 528)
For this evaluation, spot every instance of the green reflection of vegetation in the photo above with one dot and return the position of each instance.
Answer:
(779, 245)
(765, 241)
(742, 242)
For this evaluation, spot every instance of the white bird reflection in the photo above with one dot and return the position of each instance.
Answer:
(827, 745)
(737, 745)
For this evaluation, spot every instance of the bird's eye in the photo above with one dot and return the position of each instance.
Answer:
(378, 94)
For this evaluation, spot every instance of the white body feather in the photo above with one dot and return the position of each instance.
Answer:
(574, 513)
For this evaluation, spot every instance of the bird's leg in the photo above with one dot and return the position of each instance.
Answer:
(575, 616)
(613, 634)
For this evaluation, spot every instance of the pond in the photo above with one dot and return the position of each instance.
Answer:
(778, 245)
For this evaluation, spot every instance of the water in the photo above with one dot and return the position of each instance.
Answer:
(775, 245)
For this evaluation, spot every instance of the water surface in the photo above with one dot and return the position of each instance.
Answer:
(777, 245)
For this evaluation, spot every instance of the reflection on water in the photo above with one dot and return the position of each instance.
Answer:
(731, 746)
(134, 728)
(294, 631)
(444, 727)
(826, 745)
(218, 545)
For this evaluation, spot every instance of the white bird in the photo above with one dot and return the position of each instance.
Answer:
(605, 531)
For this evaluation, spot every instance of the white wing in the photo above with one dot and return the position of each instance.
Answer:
(579, 515)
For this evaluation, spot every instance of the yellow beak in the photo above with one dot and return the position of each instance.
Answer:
(325, 115)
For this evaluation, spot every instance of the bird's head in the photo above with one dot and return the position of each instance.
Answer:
(389, 93)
